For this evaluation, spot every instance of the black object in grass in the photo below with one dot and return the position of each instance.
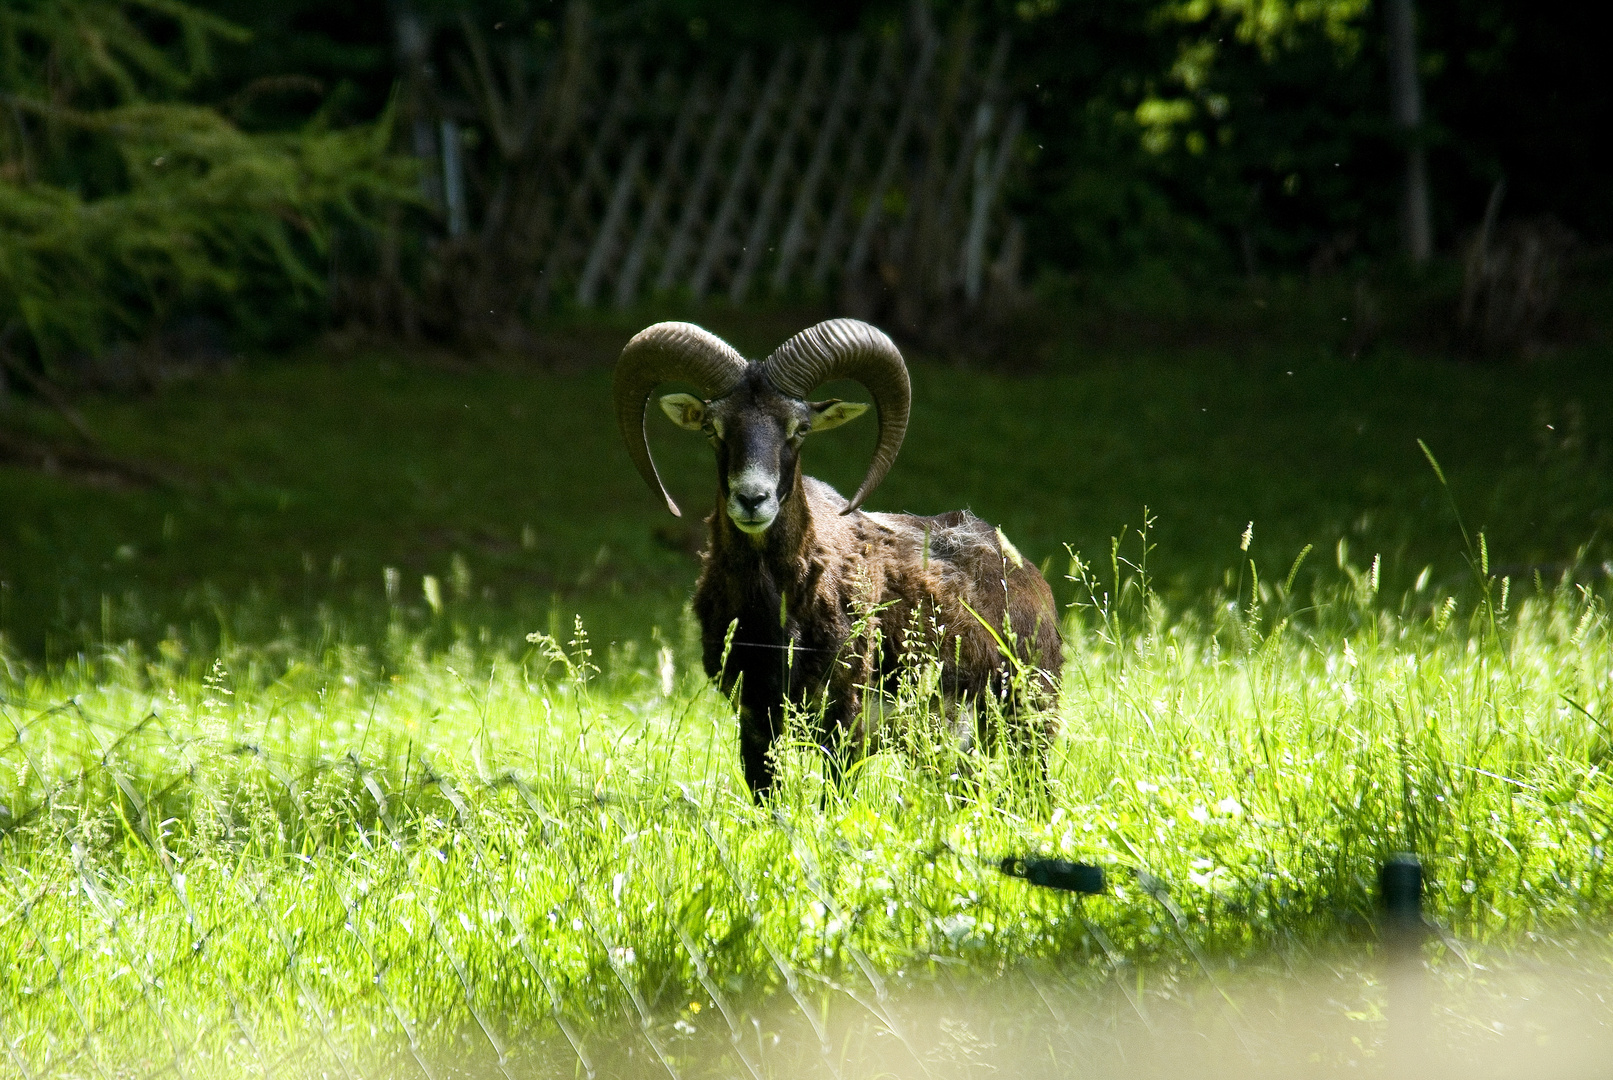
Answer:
(1400, 886)
(1055, 873)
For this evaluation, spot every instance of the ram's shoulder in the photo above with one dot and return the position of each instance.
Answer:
(821, 496)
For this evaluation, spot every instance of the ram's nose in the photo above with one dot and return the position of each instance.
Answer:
(750, 504)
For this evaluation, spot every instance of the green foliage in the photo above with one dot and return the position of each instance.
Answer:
(1186, 106)
(121, 206)
(1247, 136)
(1269, 25)
(1213, 136)
(101, 52)
(304, 57)
(207, 212)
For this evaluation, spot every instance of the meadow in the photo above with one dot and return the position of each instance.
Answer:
(376, 743)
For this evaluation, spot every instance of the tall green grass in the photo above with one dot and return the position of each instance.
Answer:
(370, 856)
(285, 788)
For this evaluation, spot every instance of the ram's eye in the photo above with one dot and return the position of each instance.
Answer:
(792, 428)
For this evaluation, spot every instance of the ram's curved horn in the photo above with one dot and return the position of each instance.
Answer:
(658, 354)
(849, 349)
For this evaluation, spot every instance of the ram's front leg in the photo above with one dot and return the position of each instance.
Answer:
(760, 725)
(735, 667)
(761, 720)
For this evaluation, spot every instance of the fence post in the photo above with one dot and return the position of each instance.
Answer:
(1402, 931)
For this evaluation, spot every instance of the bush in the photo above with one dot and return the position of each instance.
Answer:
(124, 207)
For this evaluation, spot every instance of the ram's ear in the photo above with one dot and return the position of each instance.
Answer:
(686, 410)
(834, 412)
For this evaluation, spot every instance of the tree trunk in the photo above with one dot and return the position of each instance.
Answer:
(1406, 108)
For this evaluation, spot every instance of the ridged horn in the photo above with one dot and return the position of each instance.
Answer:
(849, 349)
(662, 353)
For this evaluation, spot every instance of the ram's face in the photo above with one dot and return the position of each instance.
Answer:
(757, 434)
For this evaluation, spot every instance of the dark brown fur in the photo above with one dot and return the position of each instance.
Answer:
(805, 581)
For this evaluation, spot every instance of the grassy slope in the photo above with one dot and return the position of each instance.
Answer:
(311, 477)
(196, 862)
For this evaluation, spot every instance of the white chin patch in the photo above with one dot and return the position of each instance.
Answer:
(752, 528)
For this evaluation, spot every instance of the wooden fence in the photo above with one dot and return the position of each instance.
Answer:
(871, 167)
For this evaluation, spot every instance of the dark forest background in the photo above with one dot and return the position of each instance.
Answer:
(1274, 145)
(192, 179)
